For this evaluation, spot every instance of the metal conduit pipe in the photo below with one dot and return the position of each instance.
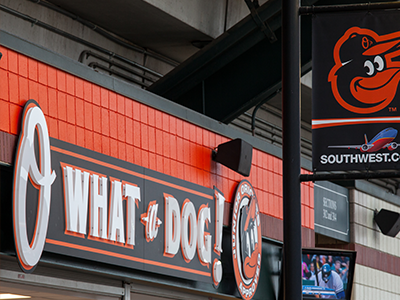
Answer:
(106, 34)
(88, 53)
(64, 33)
(253, 118)
(119, 74)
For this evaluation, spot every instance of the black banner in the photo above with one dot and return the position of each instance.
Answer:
(356, 74)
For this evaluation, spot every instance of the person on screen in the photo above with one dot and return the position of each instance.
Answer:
(328, 279)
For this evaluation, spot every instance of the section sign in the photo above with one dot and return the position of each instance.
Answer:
(356, 74)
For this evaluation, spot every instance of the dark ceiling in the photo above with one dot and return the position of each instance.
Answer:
(233, 73)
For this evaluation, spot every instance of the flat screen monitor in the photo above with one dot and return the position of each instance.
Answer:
(327, 273)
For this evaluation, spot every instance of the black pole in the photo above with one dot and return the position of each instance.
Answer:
(305, 10)
(292, 278)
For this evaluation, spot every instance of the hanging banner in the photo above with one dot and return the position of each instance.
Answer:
(356, 74)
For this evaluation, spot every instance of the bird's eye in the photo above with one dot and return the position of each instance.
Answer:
(368, 64)
(379, 61)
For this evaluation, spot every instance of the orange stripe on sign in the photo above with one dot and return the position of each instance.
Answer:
(127, 257)
(111, 166)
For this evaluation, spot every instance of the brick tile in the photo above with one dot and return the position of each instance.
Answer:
(172, 145)
(43, 99)
(62, 131)
(52, 77)
(80, 112)
(96, 95)
(71, 110)
(172, 125)
(52, 124)
(33, 90)
(151, 116)
(4, 59)
(13, 84)
(166, 145)
(179, 127)
(159, 119)
(80, 136)
(97, 142)
(89, 142)
(61, 81)
(129, 131)
(180, 173)
(159, 163)
(192, 129)
(121, 127)
(53, 103)
(22, 65)
(121, 104)
(179, 149)
(62, 106)
(87, 91)
(113, 124)
(152, 139)
(144, 137)
(159, 142)
(186, 152)
(143, 114)
(112, 100)
(114, 148)
(129, 107)
(136, 134)
(186, 130)
(4, 85)
(96, 118)
(167, 166)
(23, 90)
(79, 88)
(145, 159)
(12, 61)
(165, 121)
(137, 156)
(70, 84)
(88, 111)
(303, 218)
(199, 135)
(136, 110)
(152, 161)
(5, 116)
(105, 122)
(206, 138)
(32, 69)
(311, 198)
(105, 145)
(104, 96)
(71, 134)
(129, 153)
(174, 168)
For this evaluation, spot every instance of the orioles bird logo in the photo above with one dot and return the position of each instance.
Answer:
(366, 73)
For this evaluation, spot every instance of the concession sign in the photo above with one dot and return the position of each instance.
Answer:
(99, 208)
(356, 74)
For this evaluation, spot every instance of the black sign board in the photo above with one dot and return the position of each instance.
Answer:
(146, 249)
(356, 74)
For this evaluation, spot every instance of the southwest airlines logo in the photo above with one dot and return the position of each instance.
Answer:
(366, 73)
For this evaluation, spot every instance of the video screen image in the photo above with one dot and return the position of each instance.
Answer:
(327, 275)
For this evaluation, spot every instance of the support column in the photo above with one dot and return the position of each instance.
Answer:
(292, 277)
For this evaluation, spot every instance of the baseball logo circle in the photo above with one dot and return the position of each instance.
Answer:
(246, 240)
(366, 74)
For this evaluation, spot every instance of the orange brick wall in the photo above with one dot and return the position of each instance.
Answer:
(85, 114)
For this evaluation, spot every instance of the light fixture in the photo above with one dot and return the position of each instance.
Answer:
(388, 222)
(236, 155)
(13, 296)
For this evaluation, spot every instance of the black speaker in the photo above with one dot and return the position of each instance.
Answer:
(388, 222)
(236, 155)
